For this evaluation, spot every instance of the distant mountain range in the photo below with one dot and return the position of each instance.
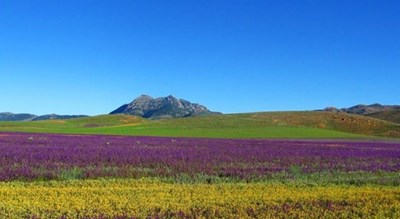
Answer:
(16, 117)
(362, 109)
(162, 107)
(172, 107)
(30, 117)
(389, 113)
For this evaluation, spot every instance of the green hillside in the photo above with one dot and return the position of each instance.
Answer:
(248, 125)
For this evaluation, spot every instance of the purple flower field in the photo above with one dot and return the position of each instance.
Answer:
(26, 156)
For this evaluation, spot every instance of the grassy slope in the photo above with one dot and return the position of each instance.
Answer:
(249, 125)
(388, 115)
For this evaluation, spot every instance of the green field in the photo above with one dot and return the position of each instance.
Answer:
(248, 125)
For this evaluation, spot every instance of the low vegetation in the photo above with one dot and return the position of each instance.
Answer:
(148, 198)
(92, 176)
(249, 125)
(388, 115)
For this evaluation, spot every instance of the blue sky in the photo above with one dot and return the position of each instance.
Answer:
(91, 56)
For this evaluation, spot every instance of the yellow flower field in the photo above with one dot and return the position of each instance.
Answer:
(110, 198)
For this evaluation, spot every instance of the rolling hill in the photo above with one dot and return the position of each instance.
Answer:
(247, 125)
(389, 113)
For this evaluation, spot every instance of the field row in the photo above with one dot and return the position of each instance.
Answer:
(76, 176)
(141, 198)
(45, 156)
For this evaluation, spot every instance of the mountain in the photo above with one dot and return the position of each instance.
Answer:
(389, 113)
(368, 109)
(30, 117)
(162, 107)
(16, 117)
(55, 116)
(331, 109)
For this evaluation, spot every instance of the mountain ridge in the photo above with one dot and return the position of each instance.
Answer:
(146, 106)
(162, 107)
(363, 109)
(7, 116)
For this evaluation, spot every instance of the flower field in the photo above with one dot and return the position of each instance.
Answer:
(74, 176)
(143, 198)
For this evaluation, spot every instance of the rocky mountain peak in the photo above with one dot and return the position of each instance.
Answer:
(332, 109)
(144, 97)
(161, 107)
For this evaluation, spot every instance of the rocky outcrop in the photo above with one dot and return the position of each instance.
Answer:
(161, 107)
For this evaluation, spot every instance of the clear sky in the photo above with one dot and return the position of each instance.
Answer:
(91, 56)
